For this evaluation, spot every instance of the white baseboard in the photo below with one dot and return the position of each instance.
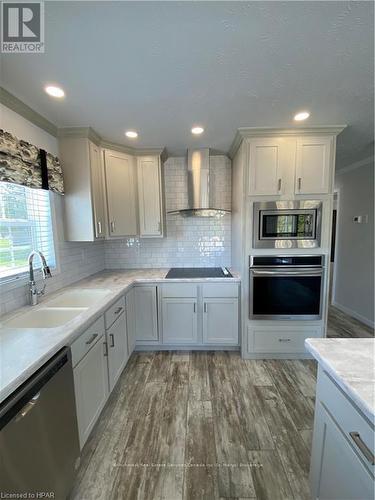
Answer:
(354, 314)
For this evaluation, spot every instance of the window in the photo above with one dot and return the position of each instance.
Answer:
(25, 225)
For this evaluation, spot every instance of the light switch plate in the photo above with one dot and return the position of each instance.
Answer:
(360, 219)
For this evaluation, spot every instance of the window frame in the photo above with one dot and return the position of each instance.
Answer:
(22, 277)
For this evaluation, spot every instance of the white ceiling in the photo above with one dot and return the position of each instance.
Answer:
(160, 67)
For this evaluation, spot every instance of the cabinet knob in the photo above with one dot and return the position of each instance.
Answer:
(299, 183)
(279, 185)
(113, 226)
(99, 224)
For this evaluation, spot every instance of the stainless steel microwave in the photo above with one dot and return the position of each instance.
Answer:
(287, 224)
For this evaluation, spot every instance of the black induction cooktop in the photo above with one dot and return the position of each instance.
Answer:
(198, 272)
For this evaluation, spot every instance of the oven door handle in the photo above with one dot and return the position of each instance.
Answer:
(310, 272)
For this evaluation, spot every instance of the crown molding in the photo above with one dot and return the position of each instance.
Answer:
(355, 165)
(249, 132)
(80, 132)
(131, 151)
(92, 135)
(12, 102)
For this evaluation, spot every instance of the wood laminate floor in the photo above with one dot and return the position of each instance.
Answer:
(344, 326)
(206, 425)
(202, 425)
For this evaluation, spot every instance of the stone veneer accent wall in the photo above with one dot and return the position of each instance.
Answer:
(189, 242)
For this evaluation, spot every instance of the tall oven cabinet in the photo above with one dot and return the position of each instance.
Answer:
(282, 192)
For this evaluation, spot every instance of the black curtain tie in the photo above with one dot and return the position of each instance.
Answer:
(44, 169)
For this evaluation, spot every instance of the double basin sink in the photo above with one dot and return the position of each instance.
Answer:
(60, 310)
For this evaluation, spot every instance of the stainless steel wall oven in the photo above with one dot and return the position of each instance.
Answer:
(287, 224)
(286, 287)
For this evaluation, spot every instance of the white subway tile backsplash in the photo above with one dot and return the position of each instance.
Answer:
(189, 242)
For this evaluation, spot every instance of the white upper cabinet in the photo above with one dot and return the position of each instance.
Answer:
(266, 166)
(150, 197)
(288, 166)
(97, 190)
(83, 200)
(121, 194)
(313, 165)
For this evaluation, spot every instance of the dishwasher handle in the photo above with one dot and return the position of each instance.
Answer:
(24, 399)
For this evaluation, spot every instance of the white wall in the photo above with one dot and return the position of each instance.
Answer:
(189, 242)
(23, 129)
(354, 267)
(76, 260)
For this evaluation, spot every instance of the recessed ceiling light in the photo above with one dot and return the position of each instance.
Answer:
(197, 130)
(302, 115)
(132, 134)
(54, 91)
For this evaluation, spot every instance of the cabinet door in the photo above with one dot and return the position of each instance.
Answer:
(266, 166)
(145, 307)
(336, 470)
(117, 350)
(97, 190)
(220, 321)
(179, 318)
(313, 165)
(149, 196)
(91, 388)
(130, 320)
(121, 198)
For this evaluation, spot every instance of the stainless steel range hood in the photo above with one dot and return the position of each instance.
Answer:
(200, 186)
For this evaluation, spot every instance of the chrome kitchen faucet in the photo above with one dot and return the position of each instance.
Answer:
(46, 273)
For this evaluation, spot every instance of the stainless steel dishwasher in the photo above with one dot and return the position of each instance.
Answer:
(39, 447)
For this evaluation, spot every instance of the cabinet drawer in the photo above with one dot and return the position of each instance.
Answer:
(87, 340)
(114, 312)
(180, 290)
(220, 290)
(279, 339)
(347, 417)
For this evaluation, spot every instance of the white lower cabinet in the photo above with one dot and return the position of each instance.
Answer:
(343, 447)
(91, 388)
(130, 323)
(145, 313)
(117, 349)
(179, 321)
(99, 355)
(279, 338)
(220, 321)
(199, 314)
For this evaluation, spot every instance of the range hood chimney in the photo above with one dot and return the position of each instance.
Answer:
(200, 187)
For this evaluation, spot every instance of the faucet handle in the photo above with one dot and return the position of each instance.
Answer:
(46, 272)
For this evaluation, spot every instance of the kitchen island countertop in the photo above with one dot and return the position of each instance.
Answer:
(351, 363)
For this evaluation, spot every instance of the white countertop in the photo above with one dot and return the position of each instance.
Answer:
(23, 351)
(351, 363)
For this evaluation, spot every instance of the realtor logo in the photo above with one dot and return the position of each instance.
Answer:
(22, 30)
